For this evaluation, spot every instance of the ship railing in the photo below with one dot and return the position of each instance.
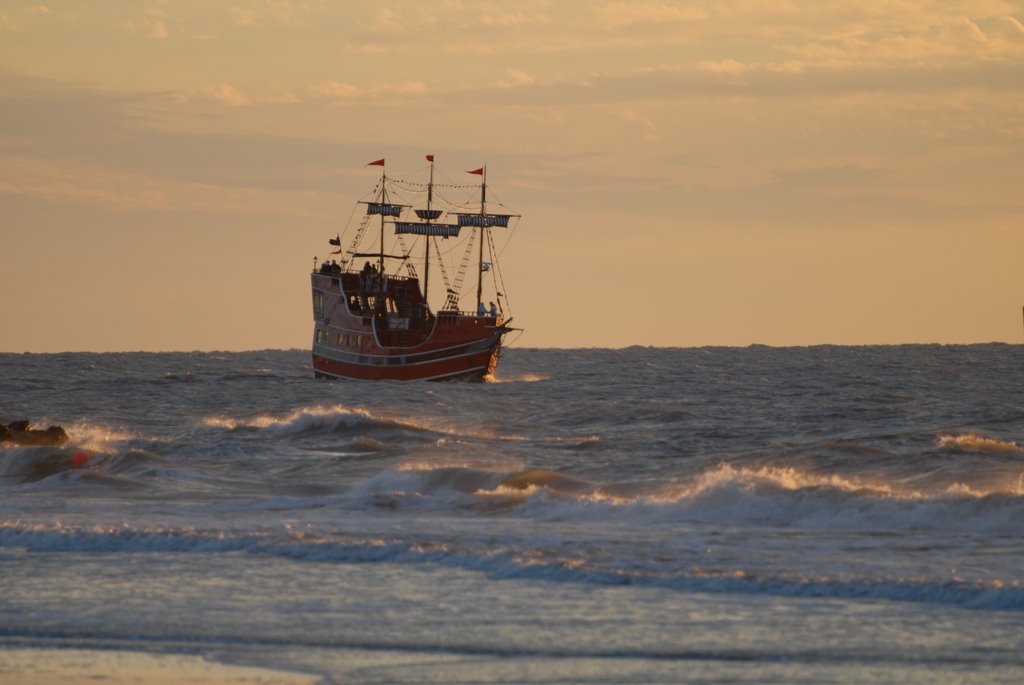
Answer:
(467, 312)
(358, 272)
(391, 277)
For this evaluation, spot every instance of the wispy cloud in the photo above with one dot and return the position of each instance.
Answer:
(723, 66)
(649, 132)
(347, 91)
(270, 13)
(8, 24)
(514, 78)
(618, 15)
(153, 28)
(227, 94)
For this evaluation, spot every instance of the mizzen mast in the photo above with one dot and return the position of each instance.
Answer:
(483, 221)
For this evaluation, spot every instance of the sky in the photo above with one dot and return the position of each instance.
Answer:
(719, 172)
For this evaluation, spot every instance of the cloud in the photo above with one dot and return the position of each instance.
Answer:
(264, 13)
(403, 88)
(153, 28)
(8, 24)
(227, 94)
(506, 20)
(649, 130)
(617, 15)
(848, 176)
(334, 89)
(516, 78)
(346, 91)
(724, 66)
(388, 20)
(419, 18)
(951, 41)
(1013, 25)
(79, 183)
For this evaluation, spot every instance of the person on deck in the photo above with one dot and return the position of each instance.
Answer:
(494, 310)
(480, 309)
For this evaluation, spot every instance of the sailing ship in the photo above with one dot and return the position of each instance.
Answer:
(372, 316)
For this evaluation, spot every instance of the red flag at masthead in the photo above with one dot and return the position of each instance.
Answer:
(479, 171)
(430, 158)
(379, 162)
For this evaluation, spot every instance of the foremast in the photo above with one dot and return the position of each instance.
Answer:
(381, 206)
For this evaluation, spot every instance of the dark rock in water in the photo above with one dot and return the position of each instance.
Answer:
(21, 433)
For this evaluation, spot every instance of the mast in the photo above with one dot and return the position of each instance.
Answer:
(426, 240)
(483, 227)
(384, 199)
(380, 206)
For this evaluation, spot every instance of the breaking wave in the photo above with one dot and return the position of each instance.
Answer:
(977, 443)
(781, 497)
(320, 419)
(517, 378)
(343, 419)
(300, 420)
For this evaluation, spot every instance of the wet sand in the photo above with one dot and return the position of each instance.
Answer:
(81, 666)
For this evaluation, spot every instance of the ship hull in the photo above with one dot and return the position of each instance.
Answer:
(474, 363)
(351, 342)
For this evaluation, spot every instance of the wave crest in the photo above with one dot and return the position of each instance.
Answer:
(772, 496)
(977, 443)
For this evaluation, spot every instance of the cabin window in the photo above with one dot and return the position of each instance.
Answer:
(318, 305)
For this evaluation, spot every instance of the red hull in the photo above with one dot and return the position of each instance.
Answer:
(472, 367)
(350, 339)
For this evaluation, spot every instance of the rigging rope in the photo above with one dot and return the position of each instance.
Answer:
(403, 182)
(440, 262)
(511, 234)
(409, 269)
(499, 282)
(353, 248)
(410, 193)
(454, 293)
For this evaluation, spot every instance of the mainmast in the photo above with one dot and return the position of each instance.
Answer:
(384, 202)
(426, 238)
(483, 227)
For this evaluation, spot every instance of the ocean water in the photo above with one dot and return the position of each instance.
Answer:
(735, 515)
